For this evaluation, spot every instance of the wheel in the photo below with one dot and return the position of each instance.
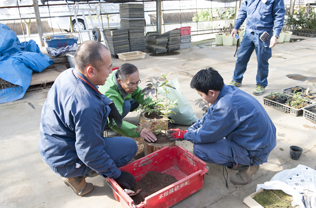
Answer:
(96, 35)
(80, 24)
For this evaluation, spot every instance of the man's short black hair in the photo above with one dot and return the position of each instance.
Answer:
(207, 79)
(125, 70)
(89, 53)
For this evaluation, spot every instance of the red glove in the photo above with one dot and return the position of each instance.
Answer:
(177, 134)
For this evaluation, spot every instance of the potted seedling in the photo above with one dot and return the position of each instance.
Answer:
(155, 114)
(305, 92)
(297, 101)
(227, 38)
(286, 103)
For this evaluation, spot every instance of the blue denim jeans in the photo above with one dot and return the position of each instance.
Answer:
(250, 42)
(129, 106)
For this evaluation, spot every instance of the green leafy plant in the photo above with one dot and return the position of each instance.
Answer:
(278, 97)
(301, 19)
(203, 15)
(159, 105)
(297, 101)
(214, 14)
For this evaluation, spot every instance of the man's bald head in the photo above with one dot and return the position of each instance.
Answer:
(89, 53)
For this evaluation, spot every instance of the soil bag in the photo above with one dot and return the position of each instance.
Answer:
(17, 63)
(185, 114)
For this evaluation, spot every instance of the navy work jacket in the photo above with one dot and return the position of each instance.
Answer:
(262, 15)
(73, 119)
(238, 117)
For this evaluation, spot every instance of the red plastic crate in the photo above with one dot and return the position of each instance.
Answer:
(185, 30)
(176, 161)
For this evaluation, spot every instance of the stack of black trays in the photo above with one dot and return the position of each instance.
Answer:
(117, 40)
(166, 42)
(132, 18)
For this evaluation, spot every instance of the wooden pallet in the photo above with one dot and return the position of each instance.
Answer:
(49, 74)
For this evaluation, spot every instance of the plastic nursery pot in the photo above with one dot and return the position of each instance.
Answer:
(295, 152)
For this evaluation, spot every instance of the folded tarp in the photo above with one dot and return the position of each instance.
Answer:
(17, 63)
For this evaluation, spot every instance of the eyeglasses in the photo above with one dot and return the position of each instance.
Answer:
(131, 85)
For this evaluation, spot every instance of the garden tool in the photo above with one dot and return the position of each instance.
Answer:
(132, 193)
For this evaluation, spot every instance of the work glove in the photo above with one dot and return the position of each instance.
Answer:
(177, 134)
(126, 180)
(115, 115)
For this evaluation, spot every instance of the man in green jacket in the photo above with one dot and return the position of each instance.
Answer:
(122, 88)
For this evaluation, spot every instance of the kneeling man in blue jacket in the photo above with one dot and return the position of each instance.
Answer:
(73, 119)
(236, 132)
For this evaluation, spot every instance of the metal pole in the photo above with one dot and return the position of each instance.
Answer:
(39, 22)
(158, 15)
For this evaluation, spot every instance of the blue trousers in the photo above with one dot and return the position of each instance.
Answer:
(222, 152)
(251, 42)
(129, 106)
(120, 149)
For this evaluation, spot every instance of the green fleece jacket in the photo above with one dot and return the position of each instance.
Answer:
(111, 90)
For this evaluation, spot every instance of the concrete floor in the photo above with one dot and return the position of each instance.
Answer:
(26, 181)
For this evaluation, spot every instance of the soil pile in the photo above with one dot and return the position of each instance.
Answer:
(151, 183)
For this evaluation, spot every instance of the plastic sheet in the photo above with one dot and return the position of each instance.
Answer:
(299, 182)
(17, 63)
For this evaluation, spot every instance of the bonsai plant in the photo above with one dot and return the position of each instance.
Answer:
(156, 112)
(227, 38)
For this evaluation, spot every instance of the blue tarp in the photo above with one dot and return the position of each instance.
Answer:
(17, 63)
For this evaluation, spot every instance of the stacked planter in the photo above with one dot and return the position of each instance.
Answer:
(185, 37)
(166, 42)
(173, 40)
(155, 43)
(287, 36)
(281, 37)
(117, 41)
(132, 18)
(227, 40)
(219, 39)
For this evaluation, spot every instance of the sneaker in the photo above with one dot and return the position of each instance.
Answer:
(236, 84)
(259, 90)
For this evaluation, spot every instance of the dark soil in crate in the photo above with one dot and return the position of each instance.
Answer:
(151, 183)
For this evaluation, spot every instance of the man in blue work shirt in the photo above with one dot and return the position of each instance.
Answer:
(263, 16)
(236, 132)
(73, 119)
